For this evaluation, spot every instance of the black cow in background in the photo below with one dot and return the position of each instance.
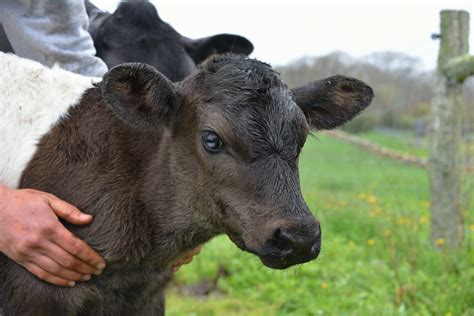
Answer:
(136, 33)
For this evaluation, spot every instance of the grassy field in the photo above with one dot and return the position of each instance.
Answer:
(400, 141)
(376, 257)
(406, 142)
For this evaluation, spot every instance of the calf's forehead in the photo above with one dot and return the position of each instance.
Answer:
(248, 103)
(260, 123)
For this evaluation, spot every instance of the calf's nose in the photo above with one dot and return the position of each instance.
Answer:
(293, 244)
(298, 241)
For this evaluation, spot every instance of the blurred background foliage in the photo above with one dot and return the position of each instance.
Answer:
(403, 90)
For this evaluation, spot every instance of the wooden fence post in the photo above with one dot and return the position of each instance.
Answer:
(454, 65)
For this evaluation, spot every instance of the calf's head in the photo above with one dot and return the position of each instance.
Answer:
(237, 130)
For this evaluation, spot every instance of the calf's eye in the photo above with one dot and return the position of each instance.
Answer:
(212, 142)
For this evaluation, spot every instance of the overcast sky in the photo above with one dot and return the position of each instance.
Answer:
(282, 31)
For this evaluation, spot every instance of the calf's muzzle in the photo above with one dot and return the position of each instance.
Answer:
(292, 244)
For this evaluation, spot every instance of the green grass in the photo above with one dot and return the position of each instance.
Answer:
(400, 141)
(376, 257)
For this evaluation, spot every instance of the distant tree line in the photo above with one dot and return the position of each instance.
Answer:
(403, 91)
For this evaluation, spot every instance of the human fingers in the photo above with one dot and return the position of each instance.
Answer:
(68, 261)
(57, 270)
(67, 211)
(79, 249)
(44, 275)
(188, 257)
(178, 264)
(185, 260)
(195, 251)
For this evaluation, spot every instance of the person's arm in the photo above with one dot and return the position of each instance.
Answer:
(32, 235)
(50, 32)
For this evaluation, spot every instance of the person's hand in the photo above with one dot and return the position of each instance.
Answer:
(187, 258)
(32, 236)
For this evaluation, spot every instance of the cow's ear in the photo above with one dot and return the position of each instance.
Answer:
(140, 95)
(333, 101)
(96, 18)
(200, 49)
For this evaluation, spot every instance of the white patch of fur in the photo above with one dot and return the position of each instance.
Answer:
(33, 98)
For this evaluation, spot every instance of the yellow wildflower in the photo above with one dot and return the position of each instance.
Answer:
(371, 199)
(376, 211)
(471, 227)
(402, 220)
(387, 233)
(424, 220)
(362, 196)
(440, 242)
(324, 285)
(370, 242)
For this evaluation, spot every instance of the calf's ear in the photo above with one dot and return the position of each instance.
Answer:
(200, 49)
(333, 101)
(140, 95)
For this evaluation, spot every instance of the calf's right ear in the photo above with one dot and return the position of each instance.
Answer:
(140, 95)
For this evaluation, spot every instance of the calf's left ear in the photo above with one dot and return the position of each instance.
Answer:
(140, 95)
(333, 101)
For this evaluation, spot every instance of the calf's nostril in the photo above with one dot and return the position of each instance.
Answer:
(282, 241)
(296, 241)
(316, 248)
(290, 243)
(314, 230)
